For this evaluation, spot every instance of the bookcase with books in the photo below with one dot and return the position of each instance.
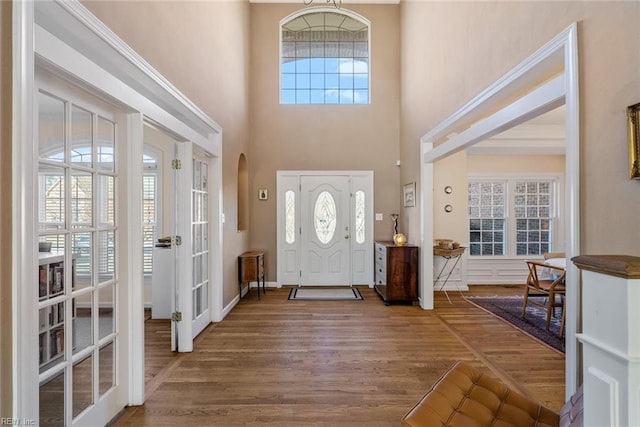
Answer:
(51, 318)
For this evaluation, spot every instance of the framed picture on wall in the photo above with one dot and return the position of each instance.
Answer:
(633, 123)
(410, 194)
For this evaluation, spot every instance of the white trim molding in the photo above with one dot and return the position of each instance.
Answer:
(289, 259)
(551, 77)
(65, 39)
(23, 310)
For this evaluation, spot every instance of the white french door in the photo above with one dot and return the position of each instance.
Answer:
(325, 231)
(195, 272)
(200, 250)
(79, 352)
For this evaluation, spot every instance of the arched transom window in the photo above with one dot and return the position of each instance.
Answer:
(324, 58)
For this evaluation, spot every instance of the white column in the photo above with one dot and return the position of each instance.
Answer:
(610, 339)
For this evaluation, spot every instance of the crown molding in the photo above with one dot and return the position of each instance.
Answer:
(330, 2)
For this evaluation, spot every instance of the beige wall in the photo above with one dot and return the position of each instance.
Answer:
(202, 47)
(453, 50)
(322, 137)
(516, 164)
(5, 208)
(453, 171)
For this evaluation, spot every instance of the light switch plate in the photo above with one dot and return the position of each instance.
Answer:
(378, 217)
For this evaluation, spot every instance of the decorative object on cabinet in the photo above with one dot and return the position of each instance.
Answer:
(633, 129)
(394, 218)
(396, 275)
(251, 269)
(399, 239)
(410, 194)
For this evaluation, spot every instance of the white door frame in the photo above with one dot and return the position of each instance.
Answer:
(288, 254)
(67, 38)
(559, 57)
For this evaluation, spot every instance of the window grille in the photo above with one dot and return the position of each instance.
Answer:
(511, 217)
(487, 218)
(324, 59)
(533, 211)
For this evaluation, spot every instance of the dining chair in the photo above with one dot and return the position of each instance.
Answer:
(550, 287)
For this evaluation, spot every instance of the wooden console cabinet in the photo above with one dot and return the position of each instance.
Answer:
(396, 272)
(251, 269)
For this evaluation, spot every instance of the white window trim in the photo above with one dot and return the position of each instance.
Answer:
(306, 11)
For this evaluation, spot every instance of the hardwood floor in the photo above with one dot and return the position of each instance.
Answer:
(276, 362)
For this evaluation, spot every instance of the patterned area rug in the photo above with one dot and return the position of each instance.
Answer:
(331, 294)
(510, 310)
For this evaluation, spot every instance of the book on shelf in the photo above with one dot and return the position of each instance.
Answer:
(41, 340)
(56, 314)
(43, 315)
(56, 344)
(60, 309)
(57, 279)
(43, 280)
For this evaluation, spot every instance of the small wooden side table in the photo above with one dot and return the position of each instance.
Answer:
(251, 269)
(453, 255)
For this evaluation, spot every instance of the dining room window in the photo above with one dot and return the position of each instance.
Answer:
(487, 217)
(514, 216)
(533, 209)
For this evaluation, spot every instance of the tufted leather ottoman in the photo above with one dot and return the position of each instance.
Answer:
(466, 397)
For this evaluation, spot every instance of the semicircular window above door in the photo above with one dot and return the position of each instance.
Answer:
(324, 217)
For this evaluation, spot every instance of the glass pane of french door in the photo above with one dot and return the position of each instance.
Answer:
(77, 271)
(200, 239)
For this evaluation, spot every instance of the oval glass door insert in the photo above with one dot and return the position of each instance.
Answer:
(324, 217)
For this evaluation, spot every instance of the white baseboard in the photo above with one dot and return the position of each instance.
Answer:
(226, 310)
(452, 287)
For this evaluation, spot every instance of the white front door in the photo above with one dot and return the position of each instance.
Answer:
(325, 234)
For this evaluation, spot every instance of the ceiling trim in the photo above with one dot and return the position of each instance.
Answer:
(330, 3)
